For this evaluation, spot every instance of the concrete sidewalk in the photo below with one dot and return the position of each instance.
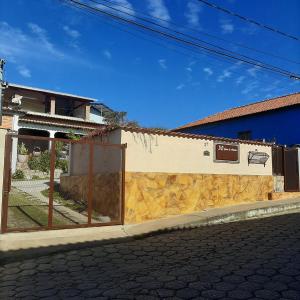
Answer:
(46, 242)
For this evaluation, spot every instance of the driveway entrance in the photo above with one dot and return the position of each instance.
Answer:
(47, 191)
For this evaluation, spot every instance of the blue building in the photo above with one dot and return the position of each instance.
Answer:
(273, 120)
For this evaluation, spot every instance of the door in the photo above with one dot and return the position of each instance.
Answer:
(291, 170)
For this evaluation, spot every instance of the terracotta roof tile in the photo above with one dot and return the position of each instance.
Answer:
(253, 108)
(105, 130)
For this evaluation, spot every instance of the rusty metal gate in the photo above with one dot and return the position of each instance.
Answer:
(291, 170)
(52, 183)
(277, 160)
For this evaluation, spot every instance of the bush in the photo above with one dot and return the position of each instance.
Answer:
(22, 149)
(44, 161)
(19, 174)
(34, 163)
(35, 177)
(62, 164)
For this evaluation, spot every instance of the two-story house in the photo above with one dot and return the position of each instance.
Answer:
(39, 112)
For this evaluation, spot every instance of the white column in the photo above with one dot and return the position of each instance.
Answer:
(15, 127)
(51, 135)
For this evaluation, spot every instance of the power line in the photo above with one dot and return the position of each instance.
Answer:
(246, 19)
(204, 33)
(187, 42)
(162, 43)
(175, 31)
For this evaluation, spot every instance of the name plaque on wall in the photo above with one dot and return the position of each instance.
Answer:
(226, 153)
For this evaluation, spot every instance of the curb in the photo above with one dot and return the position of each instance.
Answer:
(262, 212)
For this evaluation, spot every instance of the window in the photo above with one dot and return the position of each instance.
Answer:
(245, 135)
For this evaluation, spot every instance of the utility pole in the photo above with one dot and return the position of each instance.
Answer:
(2, 86)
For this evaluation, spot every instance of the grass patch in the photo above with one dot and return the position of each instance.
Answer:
(28, 209)
(64, 200)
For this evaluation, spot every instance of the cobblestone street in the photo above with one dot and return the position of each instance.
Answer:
(257, 259)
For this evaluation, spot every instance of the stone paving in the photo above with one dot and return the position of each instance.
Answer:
(257, 259)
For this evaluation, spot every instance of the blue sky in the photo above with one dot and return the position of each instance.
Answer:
(50, 45)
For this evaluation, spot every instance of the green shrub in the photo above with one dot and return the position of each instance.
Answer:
(34, 163)
(35, 177)
(62, 164)
(19, 174)
(59, 146)
(22, 149)
(44, 161)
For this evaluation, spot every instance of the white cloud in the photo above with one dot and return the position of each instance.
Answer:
(240, 79)
(225, 74)
(71, 32)
(250, 87)
(23, 71)
(226, 26)
(21, 47)
(189, 69)
(123, 6)
(180, 86)
(107, 54)
(16, 45)
(272, 86)
(162, 63)
(158, 9)
(192, 13)
(250, 29)
(252, 71)
(208, 71)
(43, 38)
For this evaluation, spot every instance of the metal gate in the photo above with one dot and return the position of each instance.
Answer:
(52, 183)
(291, 170)
(277, 160)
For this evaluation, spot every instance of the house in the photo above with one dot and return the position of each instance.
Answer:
(166, 173)
(272, 120)
(45, 113)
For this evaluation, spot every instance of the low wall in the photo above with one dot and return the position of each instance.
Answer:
(283, 195)
(278, 184)
(106, 192)
(156, 195)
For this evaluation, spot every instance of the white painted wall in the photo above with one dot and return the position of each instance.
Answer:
(106, 159)
(168, 154)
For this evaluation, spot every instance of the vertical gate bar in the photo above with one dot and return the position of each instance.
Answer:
(51, 188)
(90, 182)
(123, 184)
(6, 182)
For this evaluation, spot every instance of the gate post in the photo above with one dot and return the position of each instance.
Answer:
(5, 152)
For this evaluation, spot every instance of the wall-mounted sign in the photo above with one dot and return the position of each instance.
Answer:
(255, 157)
(226, 153)
(206, 153)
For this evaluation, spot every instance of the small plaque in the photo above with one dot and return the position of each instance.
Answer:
(206, 153)
(227, 153)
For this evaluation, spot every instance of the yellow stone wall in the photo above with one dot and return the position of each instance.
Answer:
(151, 196)
(106, 192)
(283, 195)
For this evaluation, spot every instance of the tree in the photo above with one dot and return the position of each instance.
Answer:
(119, 118)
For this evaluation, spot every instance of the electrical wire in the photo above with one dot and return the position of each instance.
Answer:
(187, 42)
(204, 33)
(246, 19)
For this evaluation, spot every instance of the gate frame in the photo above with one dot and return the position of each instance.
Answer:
(85, 140)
